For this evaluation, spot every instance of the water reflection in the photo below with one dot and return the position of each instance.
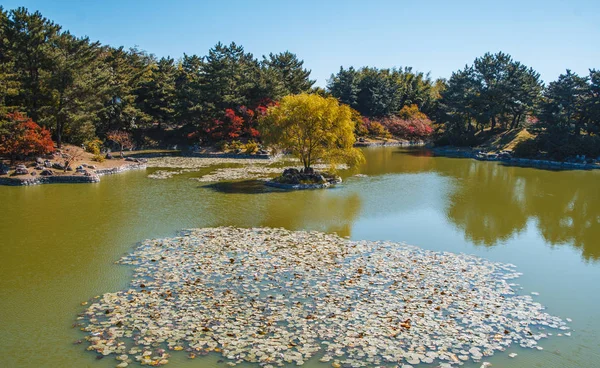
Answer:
(324, 210)
(491, 203)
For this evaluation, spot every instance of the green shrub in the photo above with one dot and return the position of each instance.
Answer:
(250, 148)
(222, 146)
(150, 143)
(93, 146)
(376, 129)
(360, 130)
(236, 145)
(527, 148)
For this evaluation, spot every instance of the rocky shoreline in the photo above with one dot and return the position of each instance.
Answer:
(91, 176)
(513, 161)
(275, 297)
(300, 179)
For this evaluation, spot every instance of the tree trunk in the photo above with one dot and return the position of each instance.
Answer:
(513, 124)
(58, 133)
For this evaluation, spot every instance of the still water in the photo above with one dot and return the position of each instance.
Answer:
(58, 243)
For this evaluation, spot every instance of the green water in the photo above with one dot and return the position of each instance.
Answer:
(58, 243)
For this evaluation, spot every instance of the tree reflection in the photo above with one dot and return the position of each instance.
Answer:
(488, 205)
(493, 202)
(567, 208)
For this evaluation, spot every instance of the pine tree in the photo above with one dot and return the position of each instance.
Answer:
(289, 69)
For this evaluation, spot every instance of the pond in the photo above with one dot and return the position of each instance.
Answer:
(59, 243)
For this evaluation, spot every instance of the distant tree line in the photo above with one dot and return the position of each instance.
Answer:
(495, 93)
(81, 90)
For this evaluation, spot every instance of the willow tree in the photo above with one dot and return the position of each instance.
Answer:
(312, 128)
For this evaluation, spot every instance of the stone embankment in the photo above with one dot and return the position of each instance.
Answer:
(389, 144)
(507, 159)
(83, 175)
(258, 156)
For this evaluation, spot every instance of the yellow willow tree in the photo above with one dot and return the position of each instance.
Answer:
(312, 128)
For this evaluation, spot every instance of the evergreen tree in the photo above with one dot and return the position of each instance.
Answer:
(77, 88)
(289, 70)
(189, 98)
(127, 70)
(563, 109)
(29, 41)
(156, 94)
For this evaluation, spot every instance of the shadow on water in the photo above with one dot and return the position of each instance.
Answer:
(414, 151)
(240, 187)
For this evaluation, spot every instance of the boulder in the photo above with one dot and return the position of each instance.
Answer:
(47, 172)
(291, 172)
(4, 169)
(39, 167)
(33, 173)
(308, 170)
(39, 161)
(57, 166)
(109, 156)
(130, 159)
(47, 163)
(21, 170)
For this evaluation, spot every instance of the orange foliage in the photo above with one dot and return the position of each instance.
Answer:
(24, 138)
(122, 138)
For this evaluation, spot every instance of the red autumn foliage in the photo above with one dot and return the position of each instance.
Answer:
(411, 129)
(410, 124)
(120, 137)
(24, 138)
(241, 122)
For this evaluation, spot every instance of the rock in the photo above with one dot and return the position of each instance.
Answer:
(33, 173)
(109, 156)
(4, 169)
(92, 167)
(47, 163)
(57, 166)
(21, 170)
(39, 161)
(129, 159)
(69, 168)
(47, 172)
(39, 167)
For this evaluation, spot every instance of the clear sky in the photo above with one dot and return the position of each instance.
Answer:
(431, 36)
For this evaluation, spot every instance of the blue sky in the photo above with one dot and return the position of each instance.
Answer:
(431, 36)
